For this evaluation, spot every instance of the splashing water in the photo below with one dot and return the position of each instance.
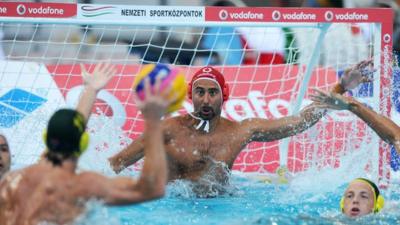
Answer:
(311, 197)
(106, 139)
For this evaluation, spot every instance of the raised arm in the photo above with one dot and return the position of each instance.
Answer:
(93, 83)
(270, 130)
(153, 178)
(152, 181)
(383, 126)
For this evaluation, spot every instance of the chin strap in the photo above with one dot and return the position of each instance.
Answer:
(206, 127)
(201, 124)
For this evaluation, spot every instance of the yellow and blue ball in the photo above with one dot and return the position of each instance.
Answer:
(170, 77)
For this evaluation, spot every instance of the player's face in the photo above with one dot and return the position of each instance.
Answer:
(5, 158)
(358, 199)
(207, 99)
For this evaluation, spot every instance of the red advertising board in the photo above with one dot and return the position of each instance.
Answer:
(38, 10)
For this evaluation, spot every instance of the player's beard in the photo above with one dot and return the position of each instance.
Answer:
(206, 112)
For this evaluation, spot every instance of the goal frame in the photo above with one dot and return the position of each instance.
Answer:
(89, 14)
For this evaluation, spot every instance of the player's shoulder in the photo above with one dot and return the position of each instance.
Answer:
(32, 169)
(90, 176)
(12, 179)
(10, 175)
(171, 120)
(176, 121)
(229, 123)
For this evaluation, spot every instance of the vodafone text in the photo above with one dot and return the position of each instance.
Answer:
(46, 10)
(247, 15)
(351, 16)
(299, 16)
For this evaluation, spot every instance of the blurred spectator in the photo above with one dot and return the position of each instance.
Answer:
(246, 45)
(263, 45)
(225, 41)
(324, 3)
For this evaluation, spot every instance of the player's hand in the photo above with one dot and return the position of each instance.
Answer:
(156, 102)
(360, 73)
(100, 76)
(116, 165)
(329, 100)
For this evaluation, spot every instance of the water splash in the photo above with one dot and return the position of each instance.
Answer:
(106, 139)
(214, 182)
(96, 213)
(25, 138)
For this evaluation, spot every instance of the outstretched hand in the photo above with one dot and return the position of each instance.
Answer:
(360, 73)
(330, 100)
(156, 102)
(100, 76)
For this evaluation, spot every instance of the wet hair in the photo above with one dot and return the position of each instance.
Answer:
(55, 158)
(63, 137)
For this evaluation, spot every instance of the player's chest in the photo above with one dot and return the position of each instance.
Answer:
(191, 147)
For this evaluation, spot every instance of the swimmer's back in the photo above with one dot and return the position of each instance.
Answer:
(42, 192)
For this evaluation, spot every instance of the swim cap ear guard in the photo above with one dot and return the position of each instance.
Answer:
(341, 204)
(379, 201)
(83, 143)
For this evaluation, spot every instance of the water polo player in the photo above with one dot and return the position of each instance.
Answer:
(52, 191)
(202, 146)
(361, 197)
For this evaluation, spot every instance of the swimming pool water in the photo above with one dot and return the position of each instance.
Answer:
(254, 202)
(310, 198)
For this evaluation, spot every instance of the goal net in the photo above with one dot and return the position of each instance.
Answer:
(271, 59)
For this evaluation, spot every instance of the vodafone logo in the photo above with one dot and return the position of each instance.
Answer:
(207, 70)
(386, 38)
(43, 10)
(329, 15)
(242, 15)
(21, 9)
(276, 15)
(36, 9)
(223, 14)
